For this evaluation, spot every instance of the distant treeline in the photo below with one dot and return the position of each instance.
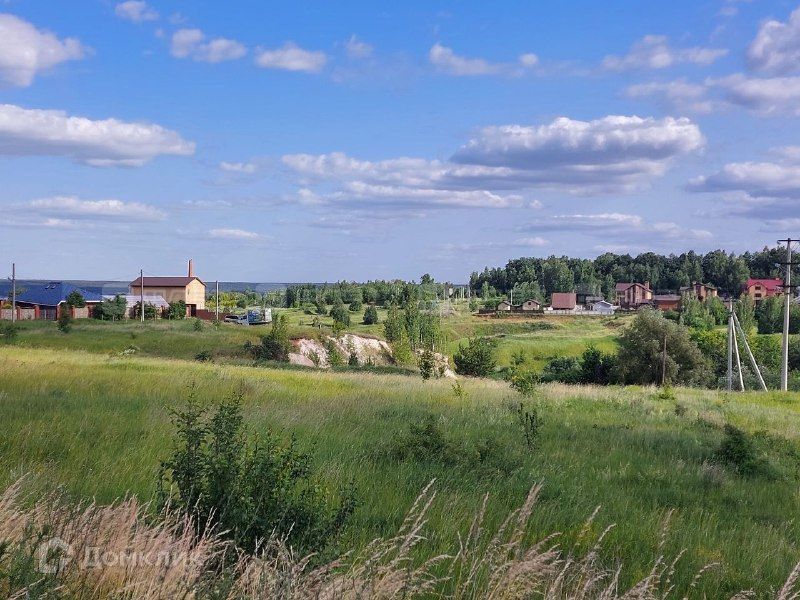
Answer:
(372, 292)
(529, 276)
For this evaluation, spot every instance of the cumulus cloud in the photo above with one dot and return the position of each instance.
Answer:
(192, 43)
(776, 47)
(680, 94)
(755, 179)
(233, 234)
(356, 48)
(72, 207)
(448, 62)
(26, 51)
(497, 167)
(101, 143)
(654, 52)
(137, 11)
(291, 57)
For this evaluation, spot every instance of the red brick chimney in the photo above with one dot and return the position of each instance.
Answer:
(191, 268)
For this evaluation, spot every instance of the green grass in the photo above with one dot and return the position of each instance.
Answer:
(98, 424)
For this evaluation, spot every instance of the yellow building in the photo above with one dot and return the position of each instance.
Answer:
(189, 289)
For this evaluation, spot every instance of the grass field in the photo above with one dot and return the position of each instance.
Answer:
(97, 423)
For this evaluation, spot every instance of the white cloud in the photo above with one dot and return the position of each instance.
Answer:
(73, 207)
(679, 94)
(609, 155)
(654, 52)
(245, 168)
(533, 242)
(108, 142)
(356, 48)
(776, 47)
(291, 57)
(771, 95)
(192, 43)
(756, 179)
(137, 11)
(26, 51)
(233, 234)
(448, 62)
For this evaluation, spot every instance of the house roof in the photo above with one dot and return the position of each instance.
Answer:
(666, 298)
(531, 300)
(622, 286)
(163, 281)
(563, 300)
(54, 293)
(772, 285)
(134, 299)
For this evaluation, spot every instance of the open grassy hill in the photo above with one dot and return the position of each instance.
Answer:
(97, 423)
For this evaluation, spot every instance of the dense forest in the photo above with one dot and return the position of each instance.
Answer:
(540, 277)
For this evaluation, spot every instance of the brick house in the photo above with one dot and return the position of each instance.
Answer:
(701, 291)
(633, 295)
(49, 301)
(665, 302)
(563, 301)
(189, 289)
(758, 289)
(530, 305)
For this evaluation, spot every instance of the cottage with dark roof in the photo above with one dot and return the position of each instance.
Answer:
(189, 289)
(49, 301)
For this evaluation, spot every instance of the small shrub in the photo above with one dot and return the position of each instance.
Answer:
(9, 332)
(458, 390)
(203, 356)
(680, 409)
(335, 358)
(356, 305)
(566, 369)
(476, 359)
(738, 451)
(427, 364)
(198, 325)
(247, 489)
(353, 360)
(524, 382)
(65, 321)
(276, 344)
(314, 357)
(177, 310)
(339, 313)
(666, 393)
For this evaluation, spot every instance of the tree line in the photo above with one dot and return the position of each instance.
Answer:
(538, 278)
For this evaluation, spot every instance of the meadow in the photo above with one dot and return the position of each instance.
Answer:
(80, 412)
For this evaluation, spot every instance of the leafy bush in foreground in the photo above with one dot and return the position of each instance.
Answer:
(276, 344)
(248, 490)
(476, 359)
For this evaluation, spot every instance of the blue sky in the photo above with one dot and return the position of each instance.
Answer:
(355, 140)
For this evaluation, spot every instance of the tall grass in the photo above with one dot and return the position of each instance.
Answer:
(89, 551)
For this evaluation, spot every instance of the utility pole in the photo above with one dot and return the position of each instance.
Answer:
(752, 358)
(13, 292)
(664, 364)
(731, 333)
(141, 294)
(216, 303)
(787, 304)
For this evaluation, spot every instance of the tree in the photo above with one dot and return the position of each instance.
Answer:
(65, 320)
(427, 364)
(476, 359)
(111, 309)
(371, 315)
(769, 315)
(276, 344)
(356, 305)
(340, 313)
(695, 314)
(745, 311)
(393, 327)
(641, 352)
(177, 309)
(75, 299)
(718, 310)
(597, 367)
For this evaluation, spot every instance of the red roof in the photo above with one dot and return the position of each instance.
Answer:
(563, 300)
(621, 287)
(771, 285)
(163, 281)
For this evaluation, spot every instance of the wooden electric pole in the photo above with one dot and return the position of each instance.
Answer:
(13, 292)
(787, 305)
(141, 294)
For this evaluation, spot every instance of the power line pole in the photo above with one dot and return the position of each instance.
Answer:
(664, 364)
(787, 304)
(752, 358)
(216, 303)
(141, 294)
(731, 333)
(13, 292)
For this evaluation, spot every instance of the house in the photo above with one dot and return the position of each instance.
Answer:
(590, 301)
(758, 289)
(530, 305)
(504, 306)
(49, 301)
(633, 295)
(665, 302)
(603, 307)
(132, 302)
(701, 291)
(189, 289)
(563, 301)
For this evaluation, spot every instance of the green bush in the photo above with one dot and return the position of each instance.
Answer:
(476, 359)
(566, 369)
(738, 451)
(356, 305)
(247, 489)
(597, 367)
(111, 309)
(65, 320)
(371, 315)
(340, 314)
(276, 344)
(9, 332)
(427, 364)
(75, 299)
(177, 310)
